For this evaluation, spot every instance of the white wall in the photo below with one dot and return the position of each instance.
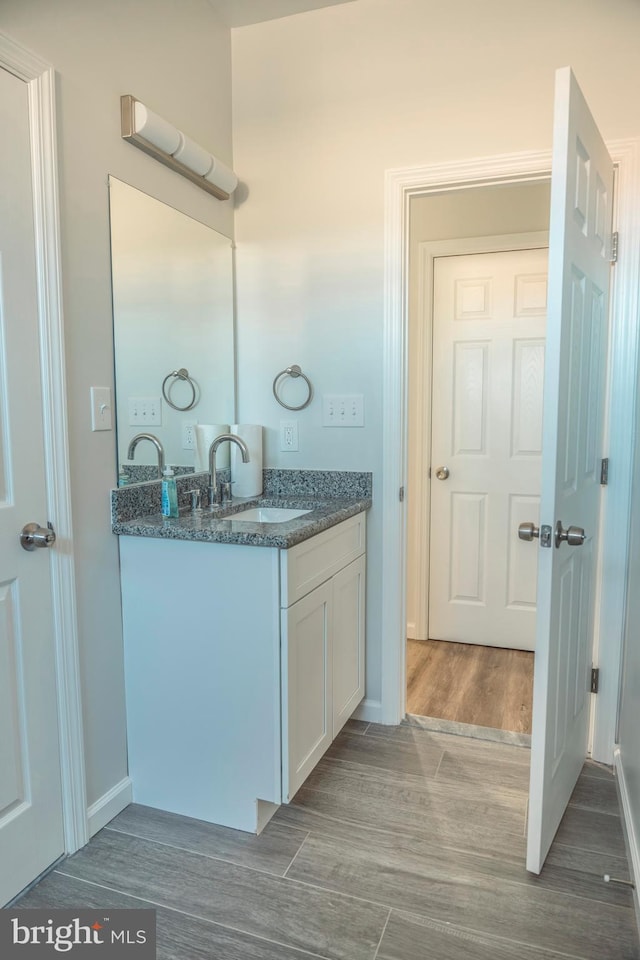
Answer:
(173, 55)
(477, 212)
(327, 101)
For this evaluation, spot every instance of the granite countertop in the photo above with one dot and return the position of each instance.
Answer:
(330, 498)
(216, 525)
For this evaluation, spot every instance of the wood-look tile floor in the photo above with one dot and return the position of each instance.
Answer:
(402, 845)
(469, 683)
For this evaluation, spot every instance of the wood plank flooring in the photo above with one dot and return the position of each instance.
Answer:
(402, 845)
(468, 683)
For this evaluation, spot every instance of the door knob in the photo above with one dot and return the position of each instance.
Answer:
(574, 536)
(442, 473)
(528, 531)
(33, 535)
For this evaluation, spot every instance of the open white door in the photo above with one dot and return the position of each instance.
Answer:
(579, 268)
(31, 814)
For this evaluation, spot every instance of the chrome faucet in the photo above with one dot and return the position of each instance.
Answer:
(214, 493)
(154, 440)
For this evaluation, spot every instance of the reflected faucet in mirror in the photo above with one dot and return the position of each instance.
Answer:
(154, 440)
(215, 495)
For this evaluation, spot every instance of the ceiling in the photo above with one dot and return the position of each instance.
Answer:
(240, 13)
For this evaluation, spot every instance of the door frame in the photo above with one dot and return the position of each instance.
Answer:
(622, 376)
(40, 79)
(420, 385)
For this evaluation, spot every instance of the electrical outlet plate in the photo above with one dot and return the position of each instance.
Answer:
(145, 412)
(188, 435)
(289, 435)
(343, 410)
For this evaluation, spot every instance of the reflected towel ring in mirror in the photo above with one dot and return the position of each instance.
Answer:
(181, 374)
(295, 372)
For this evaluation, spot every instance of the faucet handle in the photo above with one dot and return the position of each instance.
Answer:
(196, 499)
(226, 489)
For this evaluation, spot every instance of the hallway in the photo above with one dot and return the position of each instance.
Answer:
(401, 845)
(470, 683)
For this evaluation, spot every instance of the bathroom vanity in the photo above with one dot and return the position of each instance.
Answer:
(244, 653)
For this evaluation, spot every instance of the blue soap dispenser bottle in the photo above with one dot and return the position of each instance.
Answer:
(169, 493)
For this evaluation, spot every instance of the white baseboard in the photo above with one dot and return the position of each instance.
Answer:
(631, 837)
(109, 805)
(370, 711)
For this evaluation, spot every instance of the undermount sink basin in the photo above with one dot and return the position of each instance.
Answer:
(268, 514)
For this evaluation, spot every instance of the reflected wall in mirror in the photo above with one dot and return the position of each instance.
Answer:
(172, 280)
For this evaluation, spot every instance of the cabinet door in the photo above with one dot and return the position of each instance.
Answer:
(307, 720)
(348, 641)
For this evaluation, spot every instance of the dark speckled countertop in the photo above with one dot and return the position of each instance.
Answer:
(331, 498)
(218, 526)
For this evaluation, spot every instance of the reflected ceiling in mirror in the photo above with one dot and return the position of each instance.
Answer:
(172, 280)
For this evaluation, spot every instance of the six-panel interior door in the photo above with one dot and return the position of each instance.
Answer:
(31, 826)
(579, 270)
(489, 323)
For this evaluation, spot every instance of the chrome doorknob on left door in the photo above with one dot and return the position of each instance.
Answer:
(442, 473)
(33, 535)
(528, 531)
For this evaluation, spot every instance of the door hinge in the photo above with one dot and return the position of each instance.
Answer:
(604, 471)
(595, 679)
(614, 248)
(401, 495)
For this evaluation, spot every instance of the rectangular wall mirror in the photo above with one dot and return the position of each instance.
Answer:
(172, 280)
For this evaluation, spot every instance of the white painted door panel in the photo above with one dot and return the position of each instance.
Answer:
(307, 684)
(31, 830)
(581, 203)
(488, 373)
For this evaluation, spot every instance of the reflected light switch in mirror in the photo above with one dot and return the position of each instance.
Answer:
(101, 408)
(145, 411)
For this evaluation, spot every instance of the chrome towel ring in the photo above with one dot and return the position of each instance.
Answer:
(295, 372)
(181, 374)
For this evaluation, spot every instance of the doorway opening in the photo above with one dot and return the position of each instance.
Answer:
(477, 312)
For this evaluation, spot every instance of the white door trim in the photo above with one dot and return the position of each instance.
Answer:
(421, 335)
(400, 186)
(40, 79)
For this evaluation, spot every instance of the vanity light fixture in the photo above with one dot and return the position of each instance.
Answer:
(158, 138)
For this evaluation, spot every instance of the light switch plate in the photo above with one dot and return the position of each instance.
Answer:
(343, 410)
(101, 418)
(145, 412)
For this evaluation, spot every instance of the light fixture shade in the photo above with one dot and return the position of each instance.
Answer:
(154, 129)
(193, 156)
(146, 130)
(222, 176)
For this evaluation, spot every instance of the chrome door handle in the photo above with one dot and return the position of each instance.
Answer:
(574, 536)
(442, 473)
(528, 531)
(33, 535)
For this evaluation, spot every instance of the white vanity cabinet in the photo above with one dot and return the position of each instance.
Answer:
(242, 663)
(323, 593)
